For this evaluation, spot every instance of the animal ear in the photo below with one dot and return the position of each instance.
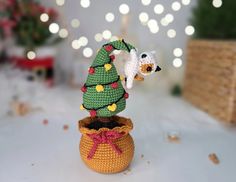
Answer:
(153, 52)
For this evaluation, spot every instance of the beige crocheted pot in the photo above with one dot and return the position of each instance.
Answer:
(107, 150)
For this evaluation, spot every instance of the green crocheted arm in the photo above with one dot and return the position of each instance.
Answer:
(104, 94)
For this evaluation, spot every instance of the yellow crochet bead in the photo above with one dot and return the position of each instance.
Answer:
(81, 107)
(107, 67)
(112, 107)
(99, 88)
(121, 78)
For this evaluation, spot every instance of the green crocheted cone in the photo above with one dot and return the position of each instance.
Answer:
(104, 95)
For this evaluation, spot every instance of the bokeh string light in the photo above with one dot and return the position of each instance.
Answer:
(44, 17)
(146, 2)
(87, 52)
(83, 41)
(54, 28)
(177, 62)
(153, 26)
(75, 44)
(186, 2)
(31, 55)
(106, 34)
(143, 17)
(60, 2)
(171, 33)
(124, 9)
(109, 17)
(178, 52)
(85, 3)
(189, 30)
(75, 23)
(63, 33)
(176, 6)
(98, 37)
(158, 9)
(217, 3)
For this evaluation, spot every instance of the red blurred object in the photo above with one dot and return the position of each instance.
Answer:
(42, 68)
(126, 95)
(84, 89)
(108, 48)
(25, 63)
(112, 57)
(91, 70)
(45, 122)
(93, 113)
(114, 85)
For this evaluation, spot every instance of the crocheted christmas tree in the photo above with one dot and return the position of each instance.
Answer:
(103, 93)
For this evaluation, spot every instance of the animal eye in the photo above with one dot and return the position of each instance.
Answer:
(143, 55)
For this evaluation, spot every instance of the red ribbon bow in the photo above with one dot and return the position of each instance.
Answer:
(104, 137)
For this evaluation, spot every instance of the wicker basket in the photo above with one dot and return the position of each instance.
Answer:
(210, 80)
(107, 150)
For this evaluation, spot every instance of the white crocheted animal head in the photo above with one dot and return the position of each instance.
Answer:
(144, 64)
(147, 63)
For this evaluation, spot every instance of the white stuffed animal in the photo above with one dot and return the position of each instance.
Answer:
(144, 64)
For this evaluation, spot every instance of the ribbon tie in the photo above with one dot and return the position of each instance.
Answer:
(104, 137)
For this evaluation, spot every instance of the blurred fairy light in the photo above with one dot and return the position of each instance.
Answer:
(87, 52)
(159, 9)
(60, 2)
(83, 41)
(185, 2)
(143, 17)
(164, 22)
(152, 23)
(189, 30)
(44, 17)
(98, 37)
(31, 55)
(106, 34)
(176, 6)
(54, 28)
(146, 2)
(177, 62)
(171, 33)
(153, 26)
(178, 52)
(124, 9)
(75, 23)
(109, 17)
(154, 29)
(114, 38)
(85, 3)
(63, 33)
(169, 18)
(75, 44)
(217, 3)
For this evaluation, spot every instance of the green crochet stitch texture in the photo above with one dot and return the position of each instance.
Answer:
(98, 101)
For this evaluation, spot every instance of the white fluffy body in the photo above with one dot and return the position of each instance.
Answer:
(131, 68)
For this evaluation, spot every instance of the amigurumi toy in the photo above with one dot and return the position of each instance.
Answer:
(106, 145)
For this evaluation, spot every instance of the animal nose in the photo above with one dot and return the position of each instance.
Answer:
(149, 69)
(143, 55)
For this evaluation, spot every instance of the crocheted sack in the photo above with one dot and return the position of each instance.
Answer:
(107, 150)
